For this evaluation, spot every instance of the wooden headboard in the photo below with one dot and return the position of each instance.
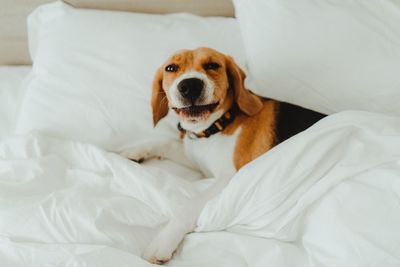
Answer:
(13, 13)
(199, 7)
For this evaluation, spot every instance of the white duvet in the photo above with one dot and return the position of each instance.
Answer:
(330, 196)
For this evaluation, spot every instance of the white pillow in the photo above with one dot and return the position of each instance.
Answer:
(11, 94)
(93, 70)
(325, 55)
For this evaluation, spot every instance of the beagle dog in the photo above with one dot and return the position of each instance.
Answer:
(223, 126)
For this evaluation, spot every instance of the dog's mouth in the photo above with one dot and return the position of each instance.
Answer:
(196, 111)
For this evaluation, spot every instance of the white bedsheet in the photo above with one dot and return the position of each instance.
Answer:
(328, 197)
(11, 93)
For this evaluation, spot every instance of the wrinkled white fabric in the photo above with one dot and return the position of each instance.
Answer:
(327, 197)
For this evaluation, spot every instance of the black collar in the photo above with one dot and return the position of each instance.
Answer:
(216, 127)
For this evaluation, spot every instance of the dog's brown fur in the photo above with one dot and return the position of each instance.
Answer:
(257, 134)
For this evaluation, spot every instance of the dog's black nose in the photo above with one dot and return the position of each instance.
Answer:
(191, 88)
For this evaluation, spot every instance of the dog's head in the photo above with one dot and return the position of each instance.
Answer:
(200, 85)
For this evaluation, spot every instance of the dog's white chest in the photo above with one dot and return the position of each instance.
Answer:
(213, 155)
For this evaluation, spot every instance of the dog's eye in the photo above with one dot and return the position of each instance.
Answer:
(172, 68)
(211, 66)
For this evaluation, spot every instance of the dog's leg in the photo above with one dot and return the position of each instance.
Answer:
(184, 221)
(172, 150)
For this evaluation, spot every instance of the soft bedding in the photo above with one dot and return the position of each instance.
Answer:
(11, 93)
(329, 196)
(328, 56)
(95, 68)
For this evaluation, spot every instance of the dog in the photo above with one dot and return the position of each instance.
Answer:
(222, 124)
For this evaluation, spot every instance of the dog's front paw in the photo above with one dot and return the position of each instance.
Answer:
(138, 156)
(166, 242)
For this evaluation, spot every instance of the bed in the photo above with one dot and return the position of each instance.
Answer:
(329, 196)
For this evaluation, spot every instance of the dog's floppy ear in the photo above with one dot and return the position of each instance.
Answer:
(159, 101)
(246, 100)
